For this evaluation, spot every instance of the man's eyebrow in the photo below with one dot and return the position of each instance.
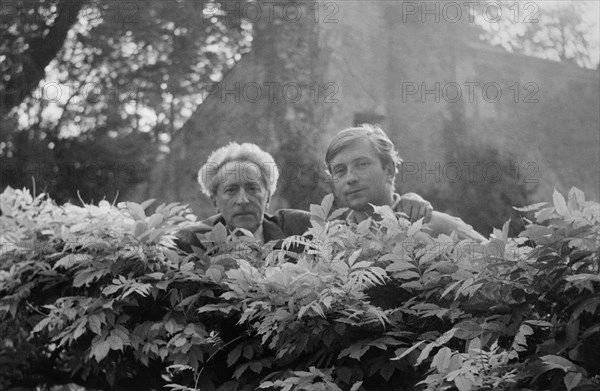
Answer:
(334, 164)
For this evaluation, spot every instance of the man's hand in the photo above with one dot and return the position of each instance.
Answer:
(415, 207)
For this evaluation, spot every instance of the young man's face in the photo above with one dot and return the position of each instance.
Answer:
(359, 179)
(241, 197)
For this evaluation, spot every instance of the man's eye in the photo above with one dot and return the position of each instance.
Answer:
(229, 190)
(253, 188)
(363, 164)
(338, 170)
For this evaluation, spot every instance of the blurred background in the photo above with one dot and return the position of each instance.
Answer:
(491, 104)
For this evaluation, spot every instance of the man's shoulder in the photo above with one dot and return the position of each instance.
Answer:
(291, 213)
(291, 221)
(186, 237)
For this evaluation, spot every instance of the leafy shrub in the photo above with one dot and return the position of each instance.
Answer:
(100, 296)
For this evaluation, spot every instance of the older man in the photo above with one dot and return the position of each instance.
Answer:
(240, 181)
(363, 164)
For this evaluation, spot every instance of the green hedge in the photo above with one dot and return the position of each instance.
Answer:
(99, 296)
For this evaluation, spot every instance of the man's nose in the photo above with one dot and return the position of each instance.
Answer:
(351, 176)
(242, 198)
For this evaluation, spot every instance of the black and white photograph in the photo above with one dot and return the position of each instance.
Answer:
(299, 195)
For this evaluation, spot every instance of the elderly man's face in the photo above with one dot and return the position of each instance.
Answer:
(241, 197)
(359, 179)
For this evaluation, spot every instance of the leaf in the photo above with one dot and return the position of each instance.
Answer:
(532, 207)
(406, 275)
(588, 305)
(336, 214)
(353, 257)
(463, 383)
(155, 220)
(441, 360)
(326, 204)
(412, 285)
(80, 329)
(234, 355)
(136, 211)
(450, 288)
(215, 273)
(69, 260)
(426, 352)
(357, 385)
(86, 276)
(467, 330)
(248, 352)
(147, 203)
(399, 265)
(572, 380)
(354, 351)
(557, 362)
(95, 323)
(559, 203)
(219, 233)
(317, 212)
(403, 352)
(415, 227)
(387, 371)
(539, 323)
(41, 325)
(100, 350)
(139, 229)
(474, 347)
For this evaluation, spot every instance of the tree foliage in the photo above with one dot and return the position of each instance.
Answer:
(99, 296)
(125, 73)
(564, 31)
(33, 32)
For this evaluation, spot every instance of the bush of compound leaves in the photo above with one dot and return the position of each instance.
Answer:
(100, 297)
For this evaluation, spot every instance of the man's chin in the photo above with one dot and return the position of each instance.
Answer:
(244, 222)
(359, 205)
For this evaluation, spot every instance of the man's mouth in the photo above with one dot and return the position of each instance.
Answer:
(353, 192)
(244, 214)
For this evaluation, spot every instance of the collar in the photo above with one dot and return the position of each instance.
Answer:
(258, 234)
(267, 231)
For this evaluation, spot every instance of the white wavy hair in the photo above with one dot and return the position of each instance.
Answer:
(246, 152)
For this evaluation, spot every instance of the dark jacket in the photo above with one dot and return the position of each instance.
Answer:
(280, 225)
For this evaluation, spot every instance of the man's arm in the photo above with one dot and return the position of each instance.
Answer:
(187, 238)
(442, 223)
(415, 207)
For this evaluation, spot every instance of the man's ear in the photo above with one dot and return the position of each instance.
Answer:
(390, 173)
(214, 200)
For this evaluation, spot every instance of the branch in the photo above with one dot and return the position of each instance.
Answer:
(39, 54)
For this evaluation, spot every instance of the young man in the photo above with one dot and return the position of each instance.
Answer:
(363, 164)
